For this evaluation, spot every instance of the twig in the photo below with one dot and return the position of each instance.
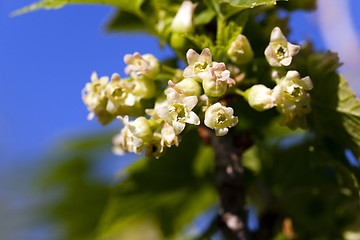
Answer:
(229, 183)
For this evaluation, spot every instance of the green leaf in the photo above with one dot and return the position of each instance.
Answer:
(335, 108)
(204, 17)
(132, 6)
(161, 196)
(227, 8)
(201, 41)
(231, 7)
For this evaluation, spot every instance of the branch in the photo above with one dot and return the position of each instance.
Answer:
(229, 183)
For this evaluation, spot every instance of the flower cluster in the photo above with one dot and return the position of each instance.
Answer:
(289, 96)
(173, 104)
(120, 97)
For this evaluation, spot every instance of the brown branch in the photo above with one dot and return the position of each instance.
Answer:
(229, 183)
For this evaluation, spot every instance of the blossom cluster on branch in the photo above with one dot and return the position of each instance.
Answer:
(195, 94)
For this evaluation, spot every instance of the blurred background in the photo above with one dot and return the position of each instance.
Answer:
(46, 57)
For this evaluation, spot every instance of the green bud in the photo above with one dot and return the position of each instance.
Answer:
(184, 19)
(260, 97)
(141, 128)
(144, 88)
(190, 87)
(240, 51)
(178, 41)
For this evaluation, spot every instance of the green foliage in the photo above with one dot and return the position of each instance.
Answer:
(161, 195)
(304, 182)
(336, 109)
(79, 196)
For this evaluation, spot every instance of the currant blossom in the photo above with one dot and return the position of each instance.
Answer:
(141, 65)
(260, 97)
(220, 118)
(119, 94)
(178, 111)
(215, 80)
(240, 51)
(197, 63)
(168, 136)
(126, 141)
(279, 52)
(94, 96)
(155, 147)
(292, 99)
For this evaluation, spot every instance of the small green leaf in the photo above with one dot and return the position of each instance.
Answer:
(201, 41)
(204, 17)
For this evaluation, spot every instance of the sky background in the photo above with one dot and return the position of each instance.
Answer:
(46, 57)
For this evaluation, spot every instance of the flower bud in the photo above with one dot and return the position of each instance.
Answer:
(215, 81)
(190, 87)
(260, 97)
(240, 51)
(144, 88)
(184, 19)
(141, 128)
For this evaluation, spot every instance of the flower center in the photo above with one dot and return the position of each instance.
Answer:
(201, 66)
(281, 52)
(178, 112)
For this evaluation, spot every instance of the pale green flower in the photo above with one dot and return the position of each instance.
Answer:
(141, 65)
(220, 118)
(279, 52)
(292, 99)
(178, 111)
(126, 141)
(197, 63)
(94, 95)
(168, 136)
(155, 147)
(119, 94)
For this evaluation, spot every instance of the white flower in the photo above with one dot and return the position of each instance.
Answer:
(178, 111)
(126, 141)
(155, 147)
(280, 52)
(220, 118)
(168, 136)
(197, 63)
(292, 99)
(119, 94)
(260, 97)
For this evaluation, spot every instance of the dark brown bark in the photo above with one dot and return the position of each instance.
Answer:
(229, 183)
